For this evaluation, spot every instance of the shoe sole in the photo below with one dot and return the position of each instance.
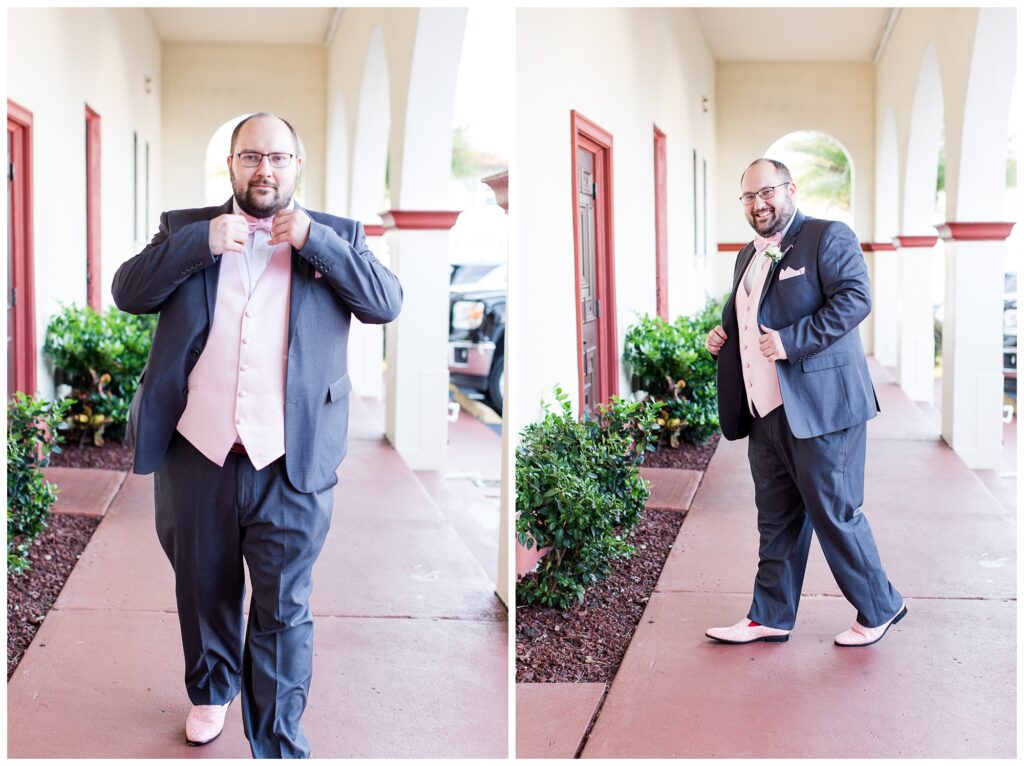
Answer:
(769, 639)
(205, 741)
(897, 618)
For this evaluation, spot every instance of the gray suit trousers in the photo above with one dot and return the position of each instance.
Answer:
(209, 519)
(813, 485)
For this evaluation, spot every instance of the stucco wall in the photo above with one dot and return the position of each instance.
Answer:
(59, 60)
(626, 70)
(206, 85)
(759, 103)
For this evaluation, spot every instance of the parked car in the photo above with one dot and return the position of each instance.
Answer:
(476, 329)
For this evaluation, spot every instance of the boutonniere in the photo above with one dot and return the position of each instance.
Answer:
(773, 254)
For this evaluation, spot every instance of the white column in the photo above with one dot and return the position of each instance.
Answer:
(972, 331)
(916, 366)
(885, 304)
(416, 414)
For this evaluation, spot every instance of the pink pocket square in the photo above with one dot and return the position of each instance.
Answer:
(317, 275)
(787, 272)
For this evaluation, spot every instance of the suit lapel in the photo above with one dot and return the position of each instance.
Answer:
(788, 241)
(212, 275)
(301, 274)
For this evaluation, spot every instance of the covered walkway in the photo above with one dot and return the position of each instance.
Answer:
(941, 684)
(411, 641)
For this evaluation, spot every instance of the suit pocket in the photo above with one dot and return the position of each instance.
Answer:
(339, 388)
(825, 362)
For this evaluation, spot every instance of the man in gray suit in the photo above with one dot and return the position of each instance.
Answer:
(792, 376)
(242, 412)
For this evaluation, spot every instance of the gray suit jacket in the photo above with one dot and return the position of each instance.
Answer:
(824, 381)
(176, 276)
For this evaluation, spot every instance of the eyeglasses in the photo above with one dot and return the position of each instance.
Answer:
(766, 193)
(255, 159)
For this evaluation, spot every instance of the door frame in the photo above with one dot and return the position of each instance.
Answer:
(93, 294)
(661, 222)
(23, 253)
(588, 135)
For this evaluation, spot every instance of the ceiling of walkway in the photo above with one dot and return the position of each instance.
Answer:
(283, 26)
(733, 34)
(793, 34)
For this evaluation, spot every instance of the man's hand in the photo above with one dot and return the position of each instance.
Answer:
(771, 345)
(228, 234)
(715, 340)
(290, 226)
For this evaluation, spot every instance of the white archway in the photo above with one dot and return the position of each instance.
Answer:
(884, 263)
(337, 185)
(922, 169)
(800, 164)
(372, 134)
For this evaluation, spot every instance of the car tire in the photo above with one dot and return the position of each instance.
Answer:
(495, 378)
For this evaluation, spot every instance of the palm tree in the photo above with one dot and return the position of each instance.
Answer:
(824, 174)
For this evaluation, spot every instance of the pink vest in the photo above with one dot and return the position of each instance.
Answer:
(760, 379)
(237, 387)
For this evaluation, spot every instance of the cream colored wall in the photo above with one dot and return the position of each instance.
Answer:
(206, 85)
(761, 102)
(952, 31)
(625, 70)
(59, 60)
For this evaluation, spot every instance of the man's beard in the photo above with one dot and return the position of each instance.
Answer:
(782, 215)
(257, 204)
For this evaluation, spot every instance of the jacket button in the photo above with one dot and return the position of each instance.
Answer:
(195, 352)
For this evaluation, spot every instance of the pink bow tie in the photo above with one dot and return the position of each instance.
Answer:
(266, 224)
(762, 243)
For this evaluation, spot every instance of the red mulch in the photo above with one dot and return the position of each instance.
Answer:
(587, 642)
(693, 456)
(29, 596)
(113, 456)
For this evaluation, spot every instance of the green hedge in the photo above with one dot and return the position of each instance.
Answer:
(579, 492)
(32, 433)
(670, 364)
(100, 356)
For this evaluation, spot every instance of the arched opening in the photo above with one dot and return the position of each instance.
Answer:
(217, 180)
(823, 172)
(370, 144)
(922, 269)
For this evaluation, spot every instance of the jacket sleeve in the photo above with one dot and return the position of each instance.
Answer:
(847, 292)
(143, 282)
(371, 291)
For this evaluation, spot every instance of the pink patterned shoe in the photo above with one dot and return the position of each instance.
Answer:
(205, 723)
(858, 635)
(745, 631)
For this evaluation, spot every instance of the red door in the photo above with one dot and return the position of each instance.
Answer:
(595, 273)
(92, 208)
(21, 347)
(590, 393)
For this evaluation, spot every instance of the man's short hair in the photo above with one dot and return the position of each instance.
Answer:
(782, 170)
(238, 128)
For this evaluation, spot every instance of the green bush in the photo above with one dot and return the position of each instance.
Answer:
(32, 433)
(579, 492)
(670, 364)
(100, 356)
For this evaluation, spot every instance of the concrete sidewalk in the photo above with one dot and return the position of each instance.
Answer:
(410, 646)
(941, 684)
